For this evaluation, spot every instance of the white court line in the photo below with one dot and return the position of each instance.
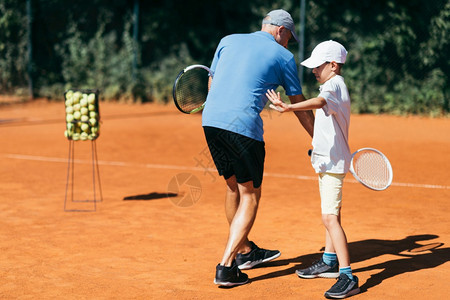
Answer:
(175, 167)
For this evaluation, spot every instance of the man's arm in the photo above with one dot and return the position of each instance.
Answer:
(306, 118)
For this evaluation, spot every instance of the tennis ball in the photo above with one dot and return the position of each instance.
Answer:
(84, 118)
(69, 94)
(76, 115)
(69, 109)
(91, 107)
(76, 136)
(84, 127)
(93, 121)
(70, 126)
(94, 130)
(69, 102)
(92, 114)
(69, 118)
(84, 110)
(84, 102)
(91, 98)
(76, 107)
(76, 97)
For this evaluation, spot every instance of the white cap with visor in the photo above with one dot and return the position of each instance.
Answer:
(326, 52)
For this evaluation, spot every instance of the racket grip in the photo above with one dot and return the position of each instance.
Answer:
(309, 152)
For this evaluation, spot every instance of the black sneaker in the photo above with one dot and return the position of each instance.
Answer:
(344, 287)
(319, 269)
(255, 257)
(230, 276)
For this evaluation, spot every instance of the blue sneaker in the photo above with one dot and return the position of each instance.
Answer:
(344, 287)
(319, 269)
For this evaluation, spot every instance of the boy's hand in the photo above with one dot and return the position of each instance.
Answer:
(277, 104)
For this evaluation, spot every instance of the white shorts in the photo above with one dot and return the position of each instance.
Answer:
(330, 187)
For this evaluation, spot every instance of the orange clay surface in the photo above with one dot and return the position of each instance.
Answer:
(160, 230)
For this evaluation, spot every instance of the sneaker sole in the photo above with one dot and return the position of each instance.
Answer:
(351, 293)
(251, 264)
(321, 275)
(228, 283)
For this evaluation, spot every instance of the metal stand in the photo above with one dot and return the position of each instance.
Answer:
(71, 178)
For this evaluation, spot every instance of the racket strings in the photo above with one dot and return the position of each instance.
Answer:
(372, 169)
(192, 89)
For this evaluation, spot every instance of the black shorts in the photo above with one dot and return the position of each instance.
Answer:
(235, 154)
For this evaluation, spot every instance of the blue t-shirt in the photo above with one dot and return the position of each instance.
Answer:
(244, 67)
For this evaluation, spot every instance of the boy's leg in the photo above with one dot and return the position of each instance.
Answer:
(336, 239)
(326, 267)
(329, 255)
(330, 187)
(329, 247)
(331, 195)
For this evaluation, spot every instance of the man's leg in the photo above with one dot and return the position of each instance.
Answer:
(232, 200)
(227, 272)
(242, 220)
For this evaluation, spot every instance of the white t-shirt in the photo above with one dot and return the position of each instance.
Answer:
(331, 152)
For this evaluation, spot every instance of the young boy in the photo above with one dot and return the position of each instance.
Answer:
(330, 158)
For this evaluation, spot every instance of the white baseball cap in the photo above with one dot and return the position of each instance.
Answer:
(326, 52)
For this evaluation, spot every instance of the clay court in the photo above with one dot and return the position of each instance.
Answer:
(160, 230)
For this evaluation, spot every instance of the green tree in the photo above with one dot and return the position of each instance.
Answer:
(13, 63)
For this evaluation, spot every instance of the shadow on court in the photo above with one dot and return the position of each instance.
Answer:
(150, 196)
(413, 257)
(396, 267)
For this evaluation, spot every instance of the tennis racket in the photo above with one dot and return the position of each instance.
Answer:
(371, 168)
(191, 88)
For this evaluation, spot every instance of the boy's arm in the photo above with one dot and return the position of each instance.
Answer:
(298, 102)
(313, 103)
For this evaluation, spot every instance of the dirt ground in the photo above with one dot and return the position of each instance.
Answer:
(160, 230)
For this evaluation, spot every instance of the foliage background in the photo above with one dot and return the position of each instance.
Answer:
(398, 50)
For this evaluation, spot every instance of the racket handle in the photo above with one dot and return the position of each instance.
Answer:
(309, 152)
